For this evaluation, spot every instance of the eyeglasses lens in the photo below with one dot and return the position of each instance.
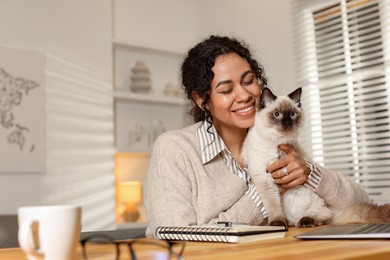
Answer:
(138, 249)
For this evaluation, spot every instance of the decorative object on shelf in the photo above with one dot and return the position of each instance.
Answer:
(142, 138)
(173, 90)
(156, 129)
(130, 194)
(138, 138)
(140, 79)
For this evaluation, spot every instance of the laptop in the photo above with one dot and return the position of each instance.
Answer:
(348, 231)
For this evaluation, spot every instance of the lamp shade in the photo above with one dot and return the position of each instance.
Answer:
(130, 192)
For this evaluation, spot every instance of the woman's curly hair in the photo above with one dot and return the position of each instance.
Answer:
(196, 73)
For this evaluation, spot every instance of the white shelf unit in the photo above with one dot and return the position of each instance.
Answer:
(145, 47)
(136, 114)
(145, 98)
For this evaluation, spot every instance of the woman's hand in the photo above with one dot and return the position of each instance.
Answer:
(290, 170)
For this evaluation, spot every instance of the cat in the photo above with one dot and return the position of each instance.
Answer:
(278, 120)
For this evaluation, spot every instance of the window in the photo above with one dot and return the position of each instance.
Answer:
(342, 63)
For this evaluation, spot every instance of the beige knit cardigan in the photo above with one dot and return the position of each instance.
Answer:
(180, 190)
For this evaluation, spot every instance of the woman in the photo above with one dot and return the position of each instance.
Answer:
(197, 176)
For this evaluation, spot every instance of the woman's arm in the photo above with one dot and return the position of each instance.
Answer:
(337, 190)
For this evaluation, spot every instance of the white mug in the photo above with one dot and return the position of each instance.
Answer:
(49, 232)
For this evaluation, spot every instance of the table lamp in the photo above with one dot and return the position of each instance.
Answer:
(130, 193)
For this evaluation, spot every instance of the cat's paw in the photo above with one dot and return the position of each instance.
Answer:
(306, 222)
(278, 223)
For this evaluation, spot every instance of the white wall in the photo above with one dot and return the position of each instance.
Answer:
(76, 38)
(265, 25)
(78, 30)
(167, 24)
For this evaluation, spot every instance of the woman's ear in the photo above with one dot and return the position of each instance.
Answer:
(198, 99)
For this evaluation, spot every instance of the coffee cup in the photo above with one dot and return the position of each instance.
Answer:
(49, 232)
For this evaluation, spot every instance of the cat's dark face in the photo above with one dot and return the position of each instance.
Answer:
(283, 113)
(285, 117)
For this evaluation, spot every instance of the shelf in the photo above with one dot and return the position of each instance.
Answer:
(144, 47)
(137, 110)
(148, 98)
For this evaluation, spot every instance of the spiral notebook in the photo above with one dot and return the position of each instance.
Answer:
(233, 234)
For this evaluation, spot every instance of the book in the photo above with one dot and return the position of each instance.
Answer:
(225, 234)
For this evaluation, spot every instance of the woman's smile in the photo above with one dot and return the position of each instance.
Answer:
(245, 110)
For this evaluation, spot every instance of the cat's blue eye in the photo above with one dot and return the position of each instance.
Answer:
(293, 114)
(277, 114)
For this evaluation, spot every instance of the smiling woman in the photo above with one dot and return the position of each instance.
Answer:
(197, 175)
(233, 95)
(203, 161)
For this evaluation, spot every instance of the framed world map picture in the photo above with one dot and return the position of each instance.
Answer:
(22, 110)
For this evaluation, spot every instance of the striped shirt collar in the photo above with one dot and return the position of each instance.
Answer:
(210, 142)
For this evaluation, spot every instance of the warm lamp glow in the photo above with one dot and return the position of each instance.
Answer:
(130, 193)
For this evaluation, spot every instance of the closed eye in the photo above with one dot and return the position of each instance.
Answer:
(228, 91)
(248, 82)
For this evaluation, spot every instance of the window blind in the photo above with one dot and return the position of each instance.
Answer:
(342, 64)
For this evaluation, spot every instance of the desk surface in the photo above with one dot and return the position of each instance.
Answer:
(281, 248)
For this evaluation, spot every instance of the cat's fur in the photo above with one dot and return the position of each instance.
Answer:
(278, 121)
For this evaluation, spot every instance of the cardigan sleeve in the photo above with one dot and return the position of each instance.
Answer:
(172, 196)
(338, 190)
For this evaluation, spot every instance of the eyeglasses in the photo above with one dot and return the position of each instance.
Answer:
(102, 246)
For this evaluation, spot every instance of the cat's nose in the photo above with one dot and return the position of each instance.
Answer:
(287, 122)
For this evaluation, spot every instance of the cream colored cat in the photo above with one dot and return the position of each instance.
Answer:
(278, 121)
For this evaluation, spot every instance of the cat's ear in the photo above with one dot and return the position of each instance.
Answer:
(266, 97)
(296, 96)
